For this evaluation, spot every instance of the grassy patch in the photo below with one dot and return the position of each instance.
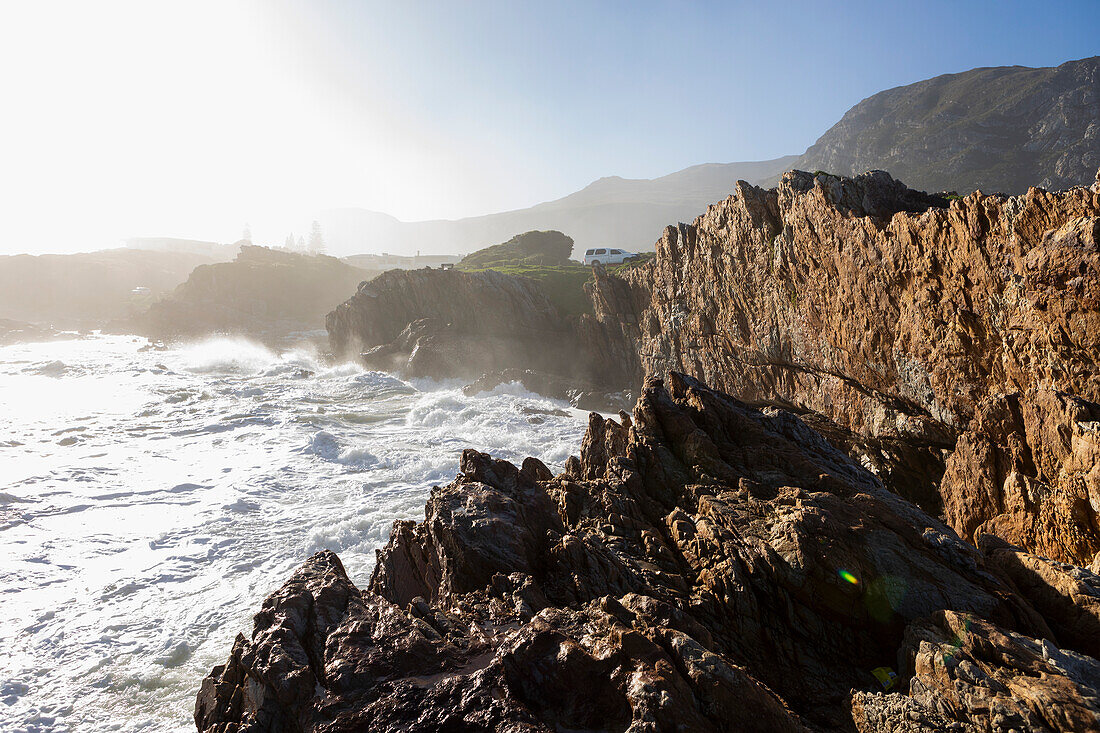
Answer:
(634, 262)
(563, 285)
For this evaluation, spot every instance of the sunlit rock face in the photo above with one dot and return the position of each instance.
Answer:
(702, 565)
(911, 322)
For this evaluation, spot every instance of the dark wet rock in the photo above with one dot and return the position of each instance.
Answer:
(971, 675)
(703, 565)
(487, 327)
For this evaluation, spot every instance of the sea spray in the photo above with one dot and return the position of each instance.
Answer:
(198, 477)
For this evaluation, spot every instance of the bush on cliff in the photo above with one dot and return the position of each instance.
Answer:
(544, 258)
(531, 249)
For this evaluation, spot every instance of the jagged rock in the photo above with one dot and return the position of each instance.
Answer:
(970, 675)
(896, 315)
(1028, 471)
(702, 566)
(1067, 596)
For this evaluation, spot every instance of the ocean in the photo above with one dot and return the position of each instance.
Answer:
(150, 499)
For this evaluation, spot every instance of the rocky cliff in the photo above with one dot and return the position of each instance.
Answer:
(448, 323)
(932, 337)
(951, 345)
(701, 566)
(753, 556)
(92, 289)
(262, 292)
(484, 326)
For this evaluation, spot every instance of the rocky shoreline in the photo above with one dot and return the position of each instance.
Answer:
(703, 565)
(889, 529)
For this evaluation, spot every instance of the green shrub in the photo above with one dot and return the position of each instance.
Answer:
(538, 249)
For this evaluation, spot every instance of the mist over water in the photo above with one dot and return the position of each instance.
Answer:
(150, 500)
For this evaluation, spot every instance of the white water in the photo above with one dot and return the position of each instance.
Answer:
(149, 501)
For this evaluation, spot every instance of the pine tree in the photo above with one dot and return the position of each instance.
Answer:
(301, 244)
(289, 242)
(316, 241)
(246, 235)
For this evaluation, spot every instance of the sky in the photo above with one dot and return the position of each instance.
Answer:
(193, 119)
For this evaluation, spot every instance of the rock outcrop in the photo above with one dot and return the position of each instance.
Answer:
(263, 292)
(17, 332)
(956, 339)
(970, 675)
(449, 323)
(486, 327)
(702, 565)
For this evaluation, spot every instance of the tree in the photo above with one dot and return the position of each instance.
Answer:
(289, 242)
(302, 244)
(246, 235)
(316, 241)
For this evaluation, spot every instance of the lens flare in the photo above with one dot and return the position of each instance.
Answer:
(848, 576)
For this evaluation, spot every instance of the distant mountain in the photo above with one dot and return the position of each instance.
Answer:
(995, 129)
(613, 212)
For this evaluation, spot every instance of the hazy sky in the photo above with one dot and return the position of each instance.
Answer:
(189, 119)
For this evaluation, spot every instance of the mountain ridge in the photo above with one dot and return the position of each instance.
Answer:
(611, 211)
(994, 128)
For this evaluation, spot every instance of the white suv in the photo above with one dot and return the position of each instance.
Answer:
(605, 256)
